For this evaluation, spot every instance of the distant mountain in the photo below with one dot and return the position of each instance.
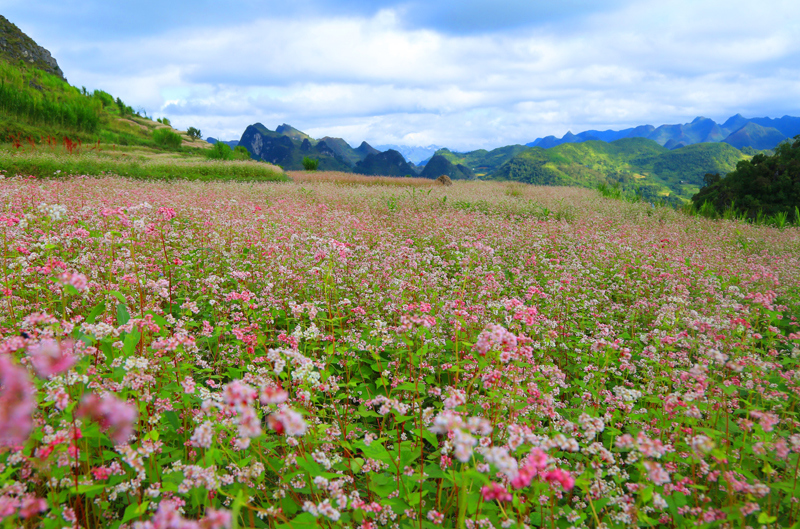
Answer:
(700, 130)
(389, 163)
(232, 143)
(288, 151)
(412, 154)
(636, 164)
(17, 46)
(439, 165)
(755, 136)
(347, 153)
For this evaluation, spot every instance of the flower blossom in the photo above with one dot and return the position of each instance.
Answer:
(50, 357)
(16, 404)
(287, 422)
(114, 416)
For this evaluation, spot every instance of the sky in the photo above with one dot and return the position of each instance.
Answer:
(462, 74)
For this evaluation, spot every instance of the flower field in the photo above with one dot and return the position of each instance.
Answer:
(322, 354)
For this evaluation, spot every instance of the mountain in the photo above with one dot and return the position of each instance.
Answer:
(438, 165)
(755, 136)
(388, 163)
(288, 151)
(412, 154)
(347, 153)
(700, 130)
(483, 162)
(16, 46)
(633, 163)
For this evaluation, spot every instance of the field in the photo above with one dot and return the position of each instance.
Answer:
(323, 353)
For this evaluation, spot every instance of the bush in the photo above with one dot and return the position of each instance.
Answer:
(220, 151)
(241, 153)
(310, 164)
(167, 138)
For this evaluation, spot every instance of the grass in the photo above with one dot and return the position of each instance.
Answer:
(132, 163)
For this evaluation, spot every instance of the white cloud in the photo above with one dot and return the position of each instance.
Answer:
(380, 79)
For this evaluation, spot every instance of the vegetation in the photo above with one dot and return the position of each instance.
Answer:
(194, 133)
(324, 355)
(167, 138)
(310, 164)
(638, 165)
(482, 162)
(762, 187)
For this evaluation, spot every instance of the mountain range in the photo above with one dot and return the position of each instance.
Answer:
(739, 131)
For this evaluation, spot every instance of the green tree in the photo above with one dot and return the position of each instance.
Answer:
(764, 185)
(310, 164)
(194, 133)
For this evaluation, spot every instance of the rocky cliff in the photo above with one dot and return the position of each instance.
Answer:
(17, 46)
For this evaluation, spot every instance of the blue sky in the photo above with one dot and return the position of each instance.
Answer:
(467, 74)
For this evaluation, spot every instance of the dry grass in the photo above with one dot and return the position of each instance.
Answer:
(356, 179)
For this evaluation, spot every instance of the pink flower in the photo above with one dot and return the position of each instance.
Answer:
(562, 476)
(167, 213)
(273, 395)
(495, 491)
(216, 519)
(31, 506)
(50, 357)
(16, 404)
(289, 422)
(115, 417)
(78, 281)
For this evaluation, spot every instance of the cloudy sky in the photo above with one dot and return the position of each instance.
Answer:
(463, 74)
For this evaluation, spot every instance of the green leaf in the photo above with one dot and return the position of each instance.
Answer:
(134, 511)
(765, 518)
(131, 340)
(122, 314)
(119, 295)
(96, 311)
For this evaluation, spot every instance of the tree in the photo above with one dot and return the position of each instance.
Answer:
(309, 164)
(194, 133)
(765, 185)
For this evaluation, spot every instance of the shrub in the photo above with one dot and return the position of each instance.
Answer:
(167, 138)
(310, 164)
(221, 151)
(241, 153)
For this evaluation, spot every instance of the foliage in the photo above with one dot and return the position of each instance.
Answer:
(194, 133)
(344, 356)
(636, 164)
(168, 138)
(310, 164)
(53, 103)
(91, 162)
(765, 185)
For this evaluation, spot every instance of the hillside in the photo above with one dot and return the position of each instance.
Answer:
(483, 162)
(16, 46)
(765, 185)
(637, 164)
(388, 163)
(439, 165)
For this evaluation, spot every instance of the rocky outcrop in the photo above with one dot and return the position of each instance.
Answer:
(389, 163)
(439, 165)
(17, 46)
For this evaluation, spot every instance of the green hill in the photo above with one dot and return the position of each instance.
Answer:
(765, 185)
(482, 162)
(637, 164)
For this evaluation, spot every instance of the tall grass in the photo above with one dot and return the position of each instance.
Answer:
(47, 165)
(23, 96)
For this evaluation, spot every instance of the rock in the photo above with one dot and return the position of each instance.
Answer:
(17, 46)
